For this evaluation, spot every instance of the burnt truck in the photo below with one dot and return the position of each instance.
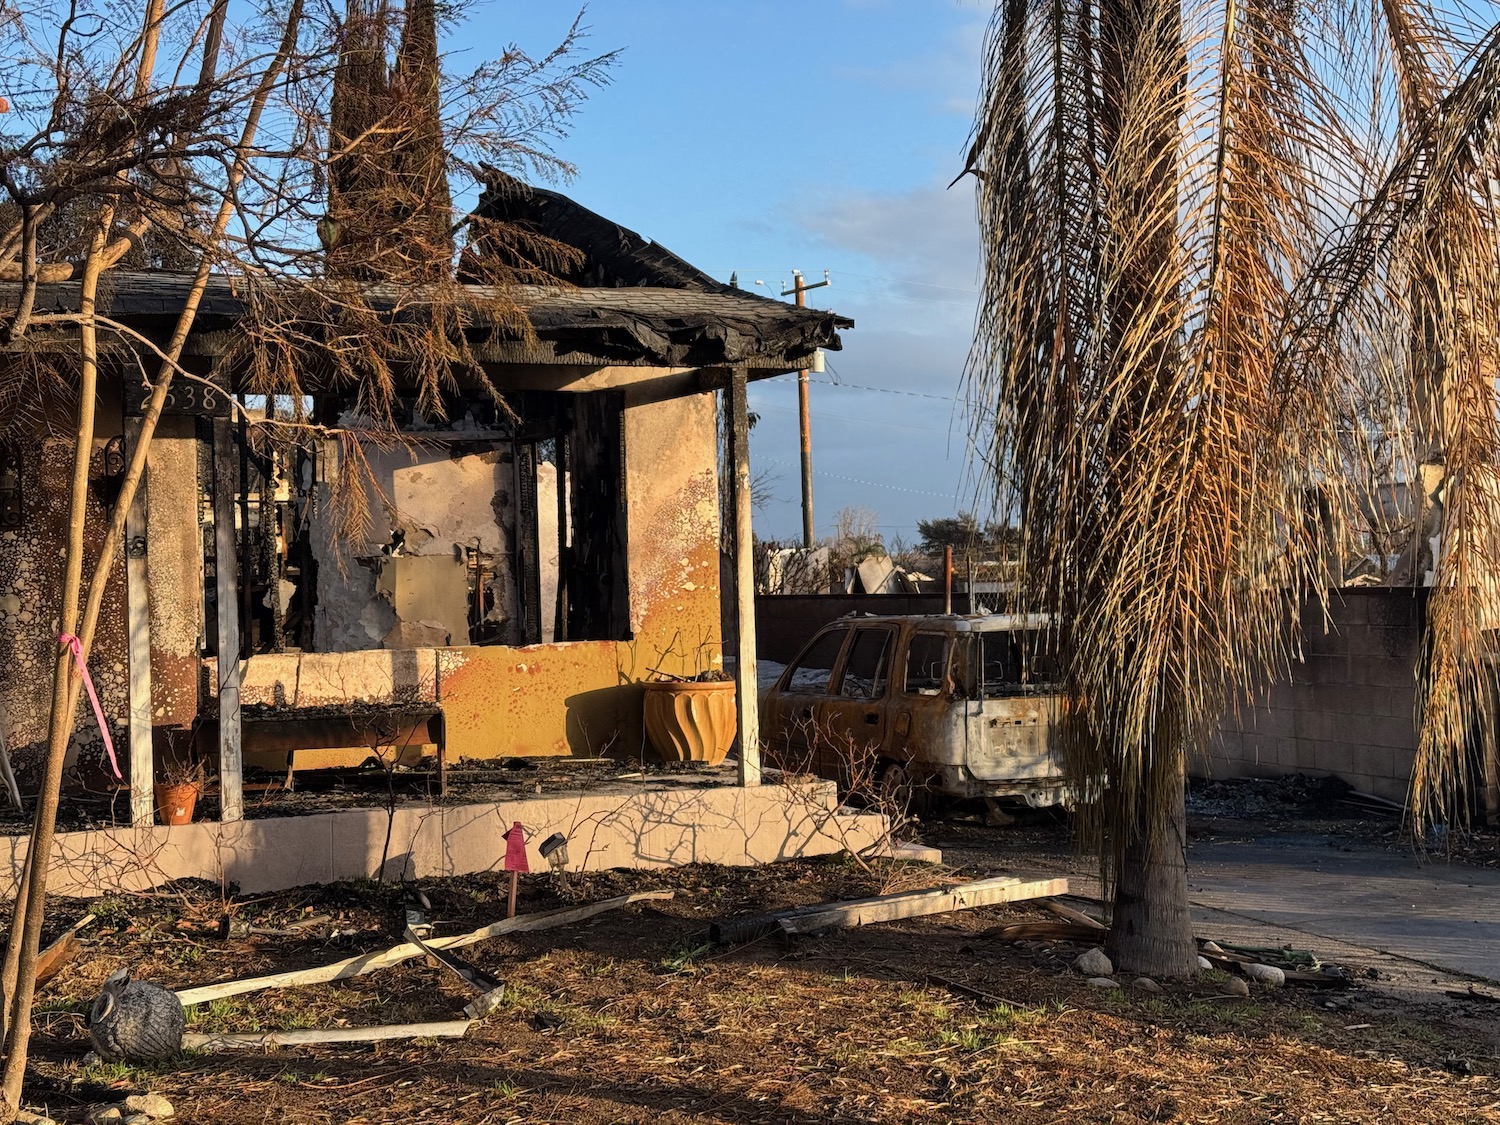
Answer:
(960, 706)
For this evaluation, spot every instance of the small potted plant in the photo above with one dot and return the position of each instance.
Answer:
(691, 718)
(177, 791)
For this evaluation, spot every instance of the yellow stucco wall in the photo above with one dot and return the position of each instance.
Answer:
(584, 697)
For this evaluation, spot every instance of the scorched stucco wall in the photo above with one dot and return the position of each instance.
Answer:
(584, 697)
(31, 581)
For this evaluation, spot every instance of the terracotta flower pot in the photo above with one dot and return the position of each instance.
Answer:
(175, 801)
(691, 721)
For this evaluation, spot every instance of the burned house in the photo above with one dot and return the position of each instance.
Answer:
(518, 573)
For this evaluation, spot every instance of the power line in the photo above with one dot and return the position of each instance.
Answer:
(870, 483)
(844, 419)
(886, 390)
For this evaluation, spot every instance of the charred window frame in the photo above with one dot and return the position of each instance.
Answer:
(595, 571)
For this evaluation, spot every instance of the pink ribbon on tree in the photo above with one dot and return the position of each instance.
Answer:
(75, 646)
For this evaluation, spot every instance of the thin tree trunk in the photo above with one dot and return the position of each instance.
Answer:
(30, 906)
(60, 725)
(13, 950)
(1152, 931)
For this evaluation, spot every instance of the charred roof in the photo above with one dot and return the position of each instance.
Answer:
(610, 256)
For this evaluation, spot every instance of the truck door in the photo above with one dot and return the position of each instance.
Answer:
(852, 734)
(794, 707)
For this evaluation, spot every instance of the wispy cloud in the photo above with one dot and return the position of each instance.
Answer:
(947, 74)
(919, 246)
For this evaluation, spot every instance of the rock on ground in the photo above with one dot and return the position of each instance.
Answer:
(1234, 986)
(1093, 963)
(1146, 984)
(1268, 975)
(1104, 982)
(152, 1105)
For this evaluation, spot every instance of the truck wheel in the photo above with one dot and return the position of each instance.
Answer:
(898, 792)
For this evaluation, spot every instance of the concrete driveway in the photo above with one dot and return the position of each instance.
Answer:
(1443, 915)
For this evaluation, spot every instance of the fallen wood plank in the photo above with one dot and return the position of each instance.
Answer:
(50, 961)
(1048, 931)
(750, 927)
(229, 1041)
(1071, 915)
(1471, 994)
(917, 904)
(385, 958)
(1268, 954)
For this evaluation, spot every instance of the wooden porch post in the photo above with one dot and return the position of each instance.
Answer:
(138, 629)
(226, 570)
(747, 697)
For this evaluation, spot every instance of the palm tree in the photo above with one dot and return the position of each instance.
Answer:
(1200, 218)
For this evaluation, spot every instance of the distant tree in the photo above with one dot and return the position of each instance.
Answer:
(856, 533)
(966, 535)
(961, 532)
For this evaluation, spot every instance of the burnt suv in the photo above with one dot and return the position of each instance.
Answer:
(950, 705)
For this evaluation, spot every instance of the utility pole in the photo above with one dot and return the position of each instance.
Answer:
(804, 410)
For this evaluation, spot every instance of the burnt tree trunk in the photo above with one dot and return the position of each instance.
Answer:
(1152, 931)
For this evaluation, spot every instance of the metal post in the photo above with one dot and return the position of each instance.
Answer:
(948, 579)
(747, 694)
(226, 568)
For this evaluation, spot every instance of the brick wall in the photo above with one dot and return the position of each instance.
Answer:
(1347, 709)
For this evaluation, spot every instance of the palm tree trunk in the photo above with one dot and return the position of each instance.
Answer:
(1152, 932)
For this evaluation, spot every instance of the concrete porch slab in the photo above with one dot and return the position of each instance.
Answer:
(655, 824)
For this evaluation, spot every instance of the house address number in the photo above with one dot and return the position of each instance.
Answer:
(183, 397)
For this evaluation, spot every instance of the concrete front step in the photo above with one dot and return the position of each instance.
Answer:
(629, 826)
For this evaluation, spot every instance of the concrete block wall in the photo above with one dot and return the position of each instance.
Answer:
(1347, 709)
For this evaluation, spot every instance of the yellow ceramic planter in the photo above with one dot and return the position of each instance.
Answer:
(691, 721)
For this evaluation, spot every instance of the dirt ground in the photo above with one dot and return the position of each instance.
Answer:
(633, 1016)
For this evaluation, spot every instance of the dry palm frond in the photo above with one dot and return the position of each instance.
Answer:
(1424, 260)
(1156, 179)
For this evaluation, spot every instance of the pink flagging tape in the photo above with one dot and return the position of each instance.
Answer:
(75, 646)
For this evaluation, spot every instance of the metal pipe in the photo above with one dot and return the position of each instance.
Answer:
(948, 579)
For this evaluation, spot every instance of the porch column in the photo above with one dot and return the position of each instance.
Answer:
(226, 575)
(747, 697)
(138, 630)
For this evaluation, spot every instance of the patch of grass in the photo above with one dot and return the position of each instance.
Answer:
(226, 1014)
(923, 1003)
(968, 1038)
(506, 1090)
(59, 1004)
(107, 1073)
(1305, 1022)
(519, 994)
(182, 953)
(973, 1038)
(1004, 1015)
(1416, 1032)
(111, 911)
(684, 957)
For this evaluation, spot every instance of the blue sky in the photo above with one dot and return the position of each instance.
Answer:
(760, 137)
